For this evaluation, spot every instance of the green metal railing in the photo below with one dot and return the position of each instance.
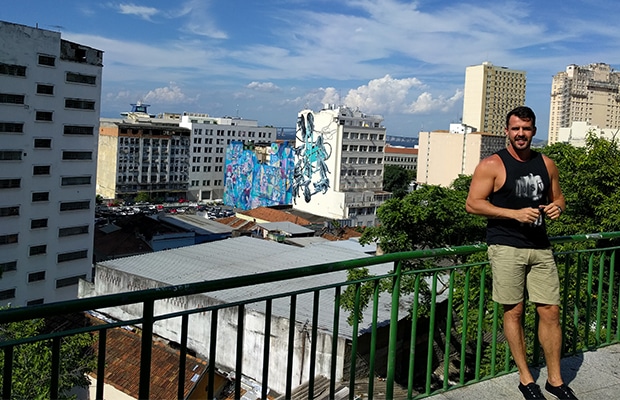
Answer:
(451, 337)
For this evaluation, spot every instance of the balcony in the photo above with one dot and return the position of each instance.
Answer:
(431, 341)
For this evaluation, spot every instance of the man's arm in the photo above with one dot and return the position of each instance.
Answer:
(557, 203)
(483, 184)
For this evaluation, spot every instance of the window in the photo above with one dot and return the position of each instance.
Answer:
(36, 276)
(75, 205)
(44, 116)
(40, 196)
(80, 104)
(75, 180)
(35, 302)
(78, 130)
(8, 266)
(10, 155)
(74, 77)
(45, 89)
(69, 281)
(38, 223)
(36, 250)
(41, 170)
(9, 211)
(43, 143)
(47, 60)
(7, 294)
(11, 127)
(12, 98)
(73, 230)
(10, 183)
(73, 255)
(12, 69)
(77, 155)
(9, 239)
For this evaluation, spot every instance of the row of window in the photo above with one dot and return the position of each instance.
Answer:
(206, 182)
(78, 104)
(36, 276)
(40, 249)
(18, 127)
(48, 61)
(15, 183)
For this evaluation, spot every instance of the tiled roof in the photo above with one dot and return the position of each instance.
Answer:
(400, 150)
(273, 215)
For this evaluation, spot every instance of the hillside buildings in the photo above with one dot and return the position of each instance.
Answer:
(444, 155)
(490, 93)
(339, 164)
(140, 153)
(588, 93)
(50, 91)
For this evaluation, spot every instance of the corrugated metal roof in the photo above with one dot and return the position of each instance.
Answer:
(197, 223)
(246, 256)
(285, 226)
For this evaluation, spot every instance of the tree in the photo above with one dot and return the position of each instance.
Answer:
(142, 196)
(32, 361)
(396, 179)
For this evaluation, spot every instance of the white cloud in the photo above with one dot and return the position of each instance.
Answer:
(200, 20)
(171, 94)
(263, 86)
(140, 11)
(426, 103)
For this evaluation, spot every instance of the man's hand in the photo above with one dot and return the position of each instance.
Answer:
(527, 215)
(552, 211)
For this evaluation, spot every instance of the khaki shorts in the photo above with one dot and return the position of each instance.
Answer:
(515, 269)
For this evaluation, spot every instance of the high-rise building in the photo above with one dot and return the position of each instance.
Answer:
(50, 92)
(588, 93)
(490, 93)
(339, 164)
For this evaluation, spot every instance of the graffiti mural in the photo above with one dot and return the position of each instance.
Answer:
(311, 167)
(250, 183)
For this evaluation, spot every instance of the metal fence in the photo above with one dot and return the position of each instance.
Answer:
(450, 336)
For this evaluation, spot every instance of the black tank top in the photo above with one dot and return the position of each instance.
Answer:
(527, 185)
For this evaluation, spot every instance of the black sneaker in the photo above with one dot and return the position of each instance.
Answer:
(560, 392)
(531, 391)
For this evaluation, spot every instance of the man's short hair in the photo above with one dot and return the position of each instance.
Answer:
(522, 112)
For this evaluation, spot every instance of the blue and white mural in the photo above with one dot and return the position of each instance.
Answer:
(311, 156)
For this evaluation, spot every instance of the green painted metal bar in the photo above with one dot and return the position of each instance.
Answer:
(266, 348)
(494, 329)
(291, 346)
(393, 333)
(356, 315)
(431, 336)
(182, 357)
(465, 323)
(373, 340)
(599, 297)
(578, 295)
(335, 330)
(480, 322)
(7, 372)
(313, 343)
(103, 334)
(146, 349)
(589, 302)
(610, 295)
(212, 354)
(447, 352)
(55, 373)
(239, 358)
(564, 320)
(413, 338)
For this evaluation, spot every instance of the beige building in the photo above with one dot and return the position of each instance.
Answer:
(140, 153)
(405, 157)
(490, 93)
(588, 93)
(444, 155)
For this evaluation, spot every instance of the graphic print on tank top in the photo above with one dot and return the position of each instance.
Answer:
(531, 187)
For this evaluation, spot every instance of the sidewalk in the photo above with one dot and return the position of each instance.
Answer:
(593, 375)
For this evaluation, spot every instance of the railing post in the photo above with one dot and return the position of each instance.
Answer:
(392, 346)
(146, 349)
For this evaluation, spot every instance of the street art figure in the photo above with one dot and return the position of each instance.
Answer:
(311, 157)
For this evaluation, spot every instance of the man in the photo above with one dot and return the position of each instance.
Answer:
(515, 189)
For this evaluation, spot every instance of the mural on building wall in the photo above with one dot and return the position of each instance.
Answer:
(310, 166)
(250, 183)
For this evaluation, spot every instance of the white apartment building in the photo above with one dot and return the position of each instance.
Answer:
(50, 91)
(578, 131)
(444, 155)
(339, 164)
(405, 157)
(141, 153)
(588, 93)
(210, 136)
(490, 93)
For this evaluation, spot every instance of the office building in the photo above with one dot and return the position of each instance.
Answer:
(589, 94)
(490, 93)
(339, 164)
(404, 157)
(50, 91)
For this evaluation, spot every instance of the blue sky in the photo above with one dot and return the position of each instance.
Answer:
(266, 60)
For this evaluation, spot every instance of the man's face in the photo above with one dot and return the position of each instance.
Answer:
(520, 132)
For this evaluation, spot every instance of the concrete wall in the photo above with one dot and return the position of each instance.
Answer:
(109, 280)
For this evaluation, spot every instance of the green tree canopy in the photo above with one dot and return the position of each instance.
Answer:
(396, 179)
